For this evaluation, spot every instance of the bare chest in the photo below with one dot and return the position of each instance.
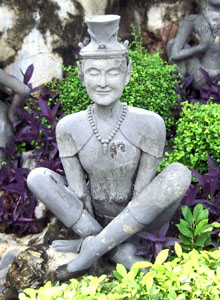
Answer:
(122, 158)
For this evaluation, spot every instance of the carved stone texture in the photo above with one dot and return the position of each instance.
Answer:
(204, 53)
(110, 155)
(34, 33)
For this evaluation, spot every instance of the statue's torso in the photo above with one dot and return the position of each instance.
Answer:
(205, 27)
(111, 176)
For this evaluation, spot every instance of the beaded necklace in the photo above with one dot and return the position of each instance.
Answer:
(105, 142)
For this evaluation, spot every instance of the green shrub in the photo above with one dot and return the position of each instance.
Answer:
(198, 134)
(71, 93)
(194, 228)
(193, 275)
(152, 86)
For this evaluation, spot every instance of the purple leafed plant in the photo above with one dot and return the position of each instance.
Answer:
(37, 129)
(154, 242)
(211, 90)
(206, 192)
(16, 202)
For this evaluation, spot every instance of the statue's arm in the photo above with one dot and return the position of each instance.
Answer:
(146, 171)
(20, 89)
(178, 51)
(76, 180)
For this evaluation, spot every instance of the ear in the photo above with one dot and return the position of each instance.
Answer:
(80, 73)
(128, 75)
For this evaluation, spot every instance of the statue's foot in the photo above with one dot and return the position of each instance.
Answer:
(81, 264)
(62, 273)
(125, 254)
(67, 245)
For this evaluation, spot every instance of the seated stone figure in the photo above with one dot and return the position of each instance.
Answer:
(9, 115)
(206, 53)
(110, 154)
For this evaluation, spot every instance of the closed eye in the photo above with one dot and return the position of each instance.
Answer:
(93, 72)
(113, 72)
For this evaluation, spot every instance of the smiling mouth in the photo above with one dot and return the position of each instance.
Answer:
(103, 92)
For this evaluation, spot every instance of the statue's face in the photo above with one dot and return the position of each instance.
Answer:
(214, 2)
(105, 79)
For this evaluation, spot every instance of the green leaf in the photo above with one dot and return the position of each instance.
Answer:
(187, 214)
(197, 211)
(216, 225)
(200, 228)
(22, 296)
(186, 240)
(178, 249)
(200, 241)
(121, 270)
(148, 281)
(117, 275)
(161, 257)
(172, 295)
(184, 229)
(203, 215)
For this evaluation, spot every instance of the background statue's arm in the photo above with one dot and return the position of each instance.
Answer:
(76, 180)
(178, 51)
(20, 89)
(146, 172)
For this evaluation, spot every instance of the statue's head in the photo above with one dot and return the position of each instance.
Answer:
(104, 69)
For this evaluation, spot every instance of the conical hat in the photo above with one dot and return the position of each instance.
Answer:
(103, 30)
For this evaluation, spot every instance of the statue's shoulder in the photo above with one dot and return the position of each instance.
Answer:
(69, 135)
(145, 130)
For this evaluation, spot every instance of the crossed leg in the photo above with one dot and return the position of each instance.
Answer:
(161, 195)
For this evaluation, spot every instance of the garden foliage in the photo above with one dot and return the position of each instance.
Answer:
(35, 131)
(197, 136)
(193, 275)
(194, 228)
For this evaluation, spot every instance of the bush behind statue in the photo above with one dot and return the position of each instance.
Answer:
(152, 86)
(197, 136)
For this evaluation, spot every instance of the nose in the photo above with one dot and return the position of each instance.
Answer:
(103, 80)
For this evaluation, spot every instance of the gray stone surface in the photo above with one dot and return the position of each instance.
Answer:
(9, 115)
(110, 154)
(33, 32)
(205, 52)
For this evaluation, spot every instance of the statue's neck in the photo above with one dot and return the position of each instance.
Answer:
(107, 112)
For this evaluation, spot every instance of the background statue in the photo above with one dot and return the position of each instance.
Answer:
(110, 154)
(8, 115)
(206, 53)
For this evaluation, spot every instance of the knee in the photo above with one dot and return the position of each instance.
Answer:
(38, 177)
(177, 177)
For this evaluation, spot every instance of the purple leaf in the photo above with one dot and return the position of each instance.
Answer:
(199, 177)
(28, 74)
(164, 229)
(206, 76)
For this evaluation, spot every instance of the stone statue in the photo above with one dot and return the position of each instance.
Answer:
(206, 53)
(8, 116)
(110, 154)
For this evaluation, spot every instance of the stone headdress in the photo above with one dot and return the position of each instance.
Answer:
(103, 30)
